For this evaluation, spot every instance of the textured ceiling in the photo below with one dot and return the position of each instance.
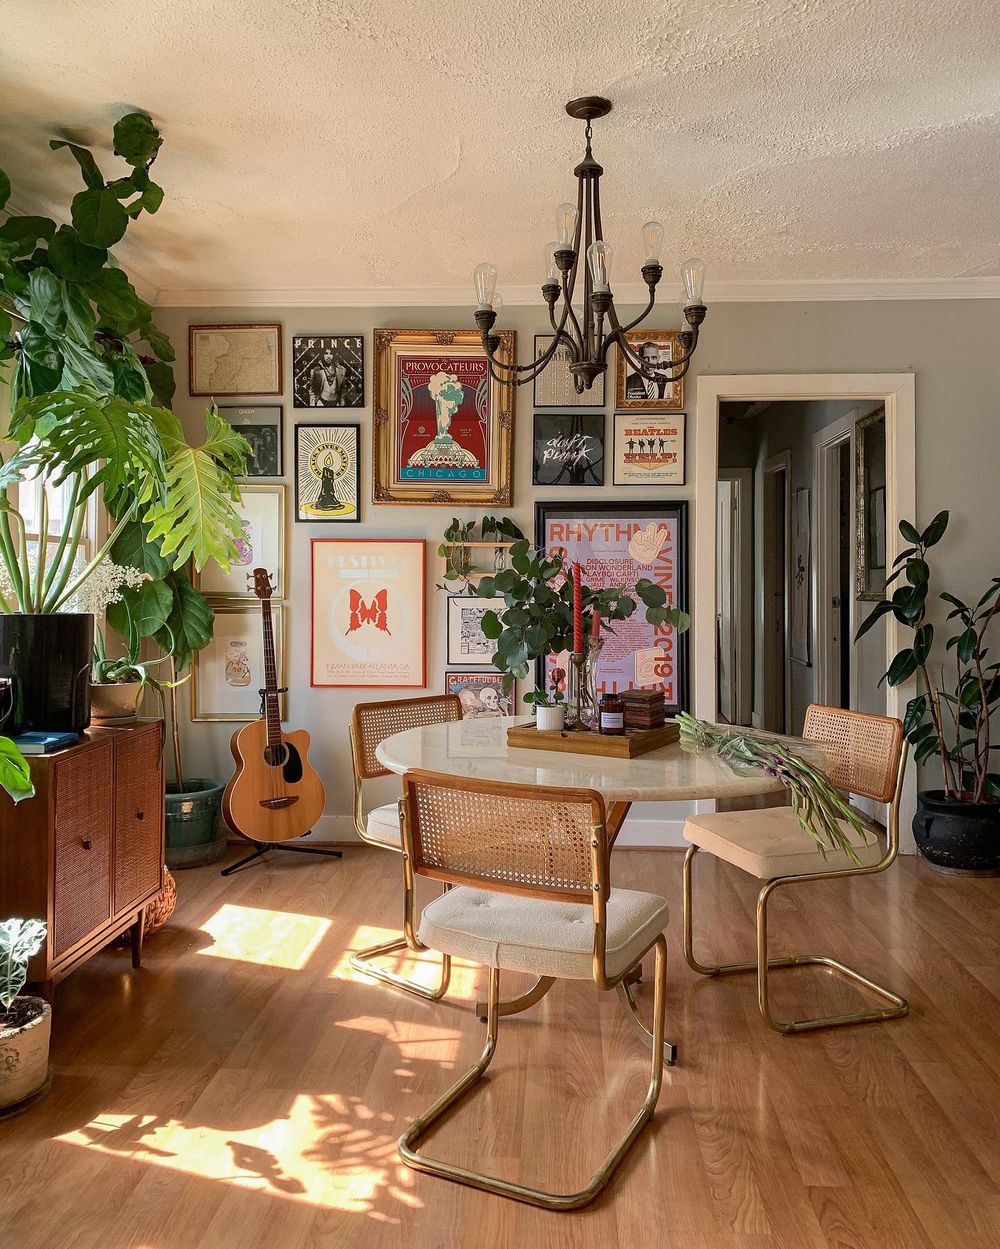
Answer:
(368, 144)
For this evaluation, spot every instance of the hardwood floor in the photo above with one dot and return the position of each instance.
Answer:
(245, 1088)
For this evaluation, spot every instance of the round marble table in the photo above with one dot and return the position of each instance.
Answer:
(478, 749)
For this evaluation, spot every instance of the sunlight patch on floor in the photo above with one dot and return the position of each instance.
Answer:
(329, 1151)
(250, 934)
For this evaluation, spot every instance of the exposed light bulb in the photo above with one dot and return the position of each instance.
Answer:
(693, 277)
(599, 258)
(551, 269)
(485, 278)
(652, 242)
(498, 303)
(566, 216)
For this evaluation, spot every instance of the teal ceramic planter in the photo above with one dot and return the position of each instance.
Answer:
(195, 832)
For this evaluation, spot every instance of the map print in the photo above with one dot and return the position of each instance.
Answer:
(235, 359)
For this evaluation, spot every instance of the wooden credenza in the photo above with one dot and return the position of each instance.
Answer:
(86, 853)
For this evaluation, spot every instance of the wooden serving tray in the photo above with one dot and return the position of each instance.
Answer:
(628, 745)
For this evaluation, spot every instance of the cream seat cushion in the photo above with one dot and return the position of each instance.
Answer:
(769, 843)
(541, 937)
(383, 826)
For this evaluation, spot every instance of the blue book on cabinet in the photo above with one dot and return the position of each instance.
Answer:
(44, 743)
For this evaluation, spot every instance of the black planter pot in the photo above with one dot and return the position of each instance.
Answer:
(958, 837)
(49, 658)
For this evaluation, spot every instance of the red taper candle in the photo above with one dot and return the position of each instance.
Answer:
(595, 627)
(577, 610)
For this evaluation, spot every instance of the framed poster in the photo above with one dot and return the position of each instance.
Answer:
(482, 694)
(327, 472)
(467, 643)
(636, 393)
(368, 612)
(616, 544)
(234, 360)
(262, 545)
(568, 450)
(444, 429)
(555, 386)
(801, 578)
(260, 425)
(328, 371)
(648, 449)
(228, 674)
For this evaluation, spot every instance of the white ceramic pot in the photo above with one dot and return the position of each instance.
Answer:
(24, 1057)
(550, 719)
(115, 702)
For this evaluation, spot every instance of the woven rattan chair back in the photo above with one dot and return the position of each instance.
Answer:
(372, 723)
(866, 749)
(539, 842)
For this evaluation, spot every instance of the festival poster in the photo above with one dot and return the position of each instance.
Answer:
(443, 429)
(368, 612)
(617, 545)
(649, 449)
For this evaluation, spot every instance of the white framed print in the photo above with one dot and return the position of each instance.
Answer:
(227, 675)
(261, 545)
(468, 645)
(648, 449)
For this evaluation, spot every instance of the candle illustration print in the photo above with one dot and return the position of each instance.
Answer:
(327, 483)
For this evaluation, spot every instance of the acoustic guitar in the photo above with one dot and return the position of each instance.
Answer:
(275, 794)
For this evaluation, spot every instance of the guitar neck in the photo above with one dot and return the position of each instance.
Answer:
(272, 713)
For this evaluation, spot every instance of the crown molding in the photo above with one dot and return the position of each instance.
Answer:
(517, 296)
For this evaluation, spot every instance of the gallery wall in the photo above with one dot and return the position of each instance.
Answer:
(950, 345)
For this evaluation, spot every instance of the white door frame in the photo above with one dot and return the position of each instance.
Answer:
(780, 462)
(826, 543)
(896, 391)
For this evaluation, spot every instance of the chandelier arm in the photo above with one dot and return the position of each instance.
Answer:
(641, 317)
(536, 365)
(568, 311)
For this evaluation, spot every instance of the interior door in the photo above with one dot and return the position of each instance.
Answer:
(725, 571)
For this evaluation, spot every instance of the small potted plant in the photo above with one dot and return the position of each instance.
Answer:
(550, 707)
(25, 1021)
(956, 828)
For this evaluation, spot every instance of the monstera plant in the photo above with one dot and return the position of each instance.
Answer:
(90, 382)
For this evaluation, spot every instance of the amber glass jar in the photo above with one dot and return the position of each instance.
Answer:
(611, 719)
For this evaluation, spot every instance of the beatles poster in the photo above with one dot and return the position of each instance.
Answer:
(368, 612)
(616, 545)
(443, 425)
(649, 449)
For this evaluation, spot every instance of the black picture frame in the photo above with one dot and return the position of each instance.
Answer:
(659, 427)
(345, 455)
(568, 449)
(554, 387)
(591, 514)
(262, 425)
(347, 352)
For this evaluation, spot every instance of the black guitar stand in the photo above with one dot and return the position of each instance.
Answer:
(262, 847)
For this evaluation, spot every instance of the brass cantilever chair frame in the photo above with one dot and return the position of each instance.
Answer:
(372, 723)
(533, 865)
(832, 726)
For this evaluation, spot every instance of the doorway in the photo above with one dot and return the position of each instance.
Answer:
(775, 712)
(896, 392)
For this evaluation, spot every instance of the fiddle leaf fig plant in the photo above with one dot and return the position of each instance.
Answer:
(951, 715)
(537, 619)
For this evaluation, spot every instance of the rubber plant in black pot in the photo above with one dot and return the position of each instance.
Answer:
(957, 827)
(90, 381)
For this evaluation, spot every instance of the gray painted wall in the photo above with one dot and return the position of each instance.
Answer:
(950, 345)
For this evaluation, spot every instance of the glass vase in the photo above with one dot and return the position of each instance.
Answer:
(581, 688)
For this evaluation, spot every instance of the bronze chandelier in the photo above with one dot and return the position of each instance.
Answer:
(587, 339)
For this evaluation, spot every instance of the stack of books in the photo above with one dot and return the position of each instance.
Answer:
(44, 743)
(644, 709)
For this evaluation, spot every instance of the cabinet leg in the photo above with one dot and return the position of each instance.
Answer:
(137, 931)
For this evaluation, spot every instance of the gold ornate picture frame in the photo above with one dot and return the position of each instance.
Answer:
(443, 427)
(633, 391)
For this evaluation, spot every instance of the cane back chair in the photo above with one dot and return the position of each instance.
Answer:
(531, 893)
(867, 758)
(371, 724)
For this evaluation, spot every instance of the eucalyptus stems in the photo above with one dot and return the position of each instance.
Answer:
(818, 805)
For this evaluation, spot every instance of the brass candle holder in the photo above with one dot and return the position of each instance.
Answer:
(578, 659)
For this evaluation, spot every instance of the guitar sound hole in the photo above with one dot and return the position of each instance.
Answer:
(276, 756)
